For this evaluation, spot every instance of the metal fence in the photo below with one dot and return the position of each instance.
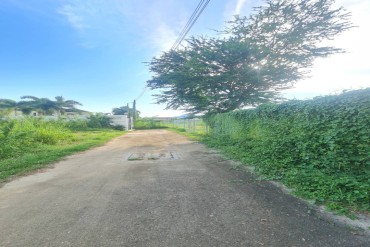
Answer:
(189, 125)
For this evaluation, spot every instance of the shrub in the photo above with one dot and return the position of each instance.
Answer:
(20, 136)
(76, 124)
(320, 147)
(148, 123)
(118, 127)
(99, 121)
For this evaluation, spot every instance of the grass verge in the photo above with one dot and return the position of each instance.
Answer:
(195, 136)
(313, 194)
(43, 155)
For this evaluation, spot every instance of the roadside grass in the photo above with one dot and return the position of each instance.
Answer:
(319, 147)
(42, 155)
(311, 192)
(194, 136)
(148, 123)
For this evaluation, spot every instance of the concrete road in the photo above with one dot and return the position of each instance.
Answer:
(156, 188)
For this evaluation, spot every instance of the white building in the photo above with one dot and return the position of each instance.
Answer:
(122, 120)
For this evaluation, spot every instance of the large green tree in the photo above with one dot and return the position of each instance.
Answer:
(125, 110)
(47, 106)
(257, 57)
(8, 105)
(63, 105)
(43, 105)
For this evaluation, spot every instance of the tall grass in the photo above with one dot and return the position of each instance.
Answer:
(21, 136)
(148, 123)
(31, 143)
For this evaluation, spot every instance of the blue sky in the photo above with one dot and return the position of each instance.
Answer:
(93, 51)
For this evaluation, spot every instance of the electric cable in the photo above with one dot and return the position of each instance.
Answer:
(194, 17)
(141, 94)
(188, 23)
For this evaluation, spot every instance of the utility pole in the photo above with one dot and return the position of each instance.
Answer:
(128, 117)
(134, 108)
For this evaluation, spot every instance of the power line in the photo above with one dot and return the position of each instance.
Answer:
(141, 94)
(194, 17)
(198, 11)
(188, 23)
(205, 5)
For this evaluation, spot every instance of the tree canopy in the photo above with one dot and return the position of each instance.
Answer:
(125, 110)
(44, 105)
(63, 105)
(252, 61)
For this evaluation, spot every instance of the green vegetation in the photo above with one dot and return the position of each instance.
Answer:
(41, 105)
(32, 143)
(122, 110)
(257, 57)
(148, 123)
(97, 121)
(191, 125)
(319, 147)
(195, 136)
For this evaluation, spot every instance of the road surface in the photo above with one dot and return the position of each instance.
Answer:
(157, 188)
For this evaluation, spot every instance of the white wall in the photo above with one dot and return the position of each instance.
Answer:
(121, 120)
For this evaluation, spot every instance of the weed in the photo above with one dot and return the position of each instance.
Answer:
(30, 144)
(318, 147)
(148, 123)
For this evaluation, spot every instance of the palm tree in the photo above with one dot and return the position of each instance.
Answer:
(45, 105)
(62, 105)
(8, 105)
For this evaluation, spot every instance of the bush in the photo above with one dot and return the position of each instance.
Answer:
(20, 136)
(76, 125)
(148, 123)
(118, 127)
(320, 147)
(99, 121)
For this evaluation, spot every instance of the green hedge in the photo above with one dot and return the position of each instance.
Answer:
(320, 147)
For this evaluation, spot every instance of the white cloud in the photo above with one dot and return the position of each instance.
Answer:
(75, 16)
(239, 6)
(97, 22)
(148, 23)
(160, 22)
(163, 37)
